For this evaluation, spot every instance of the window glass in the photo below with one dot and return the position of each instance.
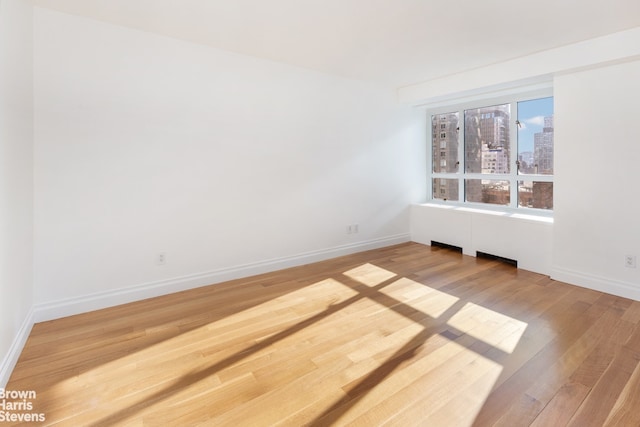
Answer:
(487, 191)
(535, 136)
(445, 145)
(486, 139)
(445, 189)
(535, 194)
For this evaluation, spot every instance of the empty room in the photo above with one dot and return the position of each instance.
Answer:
(319, 213)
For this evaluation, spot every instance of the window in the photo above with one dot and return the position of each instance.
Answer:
(501, 153)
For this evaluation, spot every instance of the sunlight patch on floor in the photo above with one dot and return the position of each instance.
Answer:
(234, 338)
(429, 386)
(419, 296)
(496, 329)
(369, 274)
(473, 386)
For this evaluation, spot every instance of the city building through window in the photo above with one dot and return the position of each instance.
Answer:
(494, 154)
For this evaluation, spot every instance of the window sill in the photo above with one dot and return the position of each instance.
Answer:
(542, 217)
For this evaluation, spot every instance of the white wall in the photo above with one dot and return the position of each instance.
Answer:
(146, 144)
(597, 197)
(16, 179)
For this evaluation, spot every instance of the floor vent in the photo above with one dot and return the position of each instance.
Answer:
(485, 255)
(446, 246)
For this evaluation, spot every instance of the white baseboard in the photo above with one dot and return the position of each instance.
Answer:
(71, 306)
(598, 283)
(11, 358)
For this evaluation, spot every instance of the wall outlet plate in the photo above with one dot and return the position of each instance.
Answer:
(630, 261)
(161, 258)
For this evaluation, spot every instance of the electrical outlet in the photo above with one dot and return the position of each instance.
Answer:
(161, 258)
(354, 227)
(630, 261)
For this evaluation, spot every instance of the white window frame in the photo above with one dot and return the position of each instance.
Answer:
(513, 177)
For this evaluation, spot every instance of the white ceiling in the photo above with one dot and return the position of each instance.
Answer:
(394, 42)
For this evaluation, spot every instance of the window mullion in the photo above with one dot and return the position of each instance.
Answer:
(461, 156)
(513, 147)
(430, 160)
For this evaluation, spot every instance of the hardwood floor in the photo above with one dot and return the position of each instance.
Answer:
(406, 335)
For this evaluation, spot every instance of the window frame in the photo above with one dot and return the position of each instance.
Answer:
(512, 177)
